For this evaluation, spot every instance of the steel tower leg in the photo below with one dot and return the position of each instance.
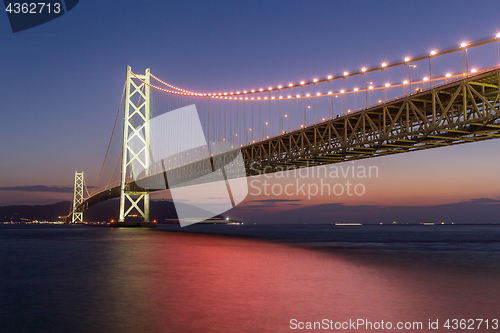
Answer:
(136, 138)
(77, 216)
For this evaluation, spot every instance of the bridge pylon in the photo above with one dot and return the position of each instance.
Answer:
(134, 200)
(77, 214)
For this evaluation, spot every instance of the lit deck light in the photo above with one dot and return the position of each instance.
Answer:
(387, 85)
(473, 70)
(342, 91)
(307, 95)
(356, 89)
(330, 92)
(315, 80)
(433, 52)
(270, 88)
(261, 90)
(318, 94)
(426, 79)
(463, 45)
(346, 73)
(405, 82)
(330, 77)
(252, 91)
(448, 75)
(363, 69)
(279, 87)
(302, 82)
(384, 64)
(407, 59)
(370, 87)
(290, 84)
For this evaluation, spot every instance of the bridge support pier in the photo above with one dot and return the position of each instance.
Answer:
(77, 215)
(134, 201)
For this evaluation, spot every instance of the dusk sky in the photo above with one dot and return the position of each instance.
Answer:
(62, 81)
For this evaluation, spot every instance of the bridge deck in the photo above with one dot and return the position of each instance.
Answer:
(465, 110)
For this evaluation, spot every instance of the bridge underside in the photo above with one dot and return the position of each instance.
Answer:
(452, 113)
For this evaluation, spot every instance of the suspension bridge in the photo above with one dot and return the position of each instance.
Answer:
(369, 112)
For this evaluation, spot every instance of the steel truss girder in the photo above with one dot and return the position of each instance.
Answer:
(139, 152)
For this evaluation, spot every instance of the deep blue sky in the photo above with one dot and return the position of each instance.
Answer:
(61, 82)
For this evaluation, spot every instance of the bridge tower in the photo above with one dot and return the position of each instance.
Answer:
(134, 200)
(77, 216)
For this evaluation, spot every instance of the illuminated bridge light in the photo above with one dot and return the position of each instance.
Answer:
(330, 77)
(463, 45)
(407, 59)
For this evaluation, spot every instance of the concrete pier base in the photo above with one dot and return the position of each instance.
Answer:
(132, 224)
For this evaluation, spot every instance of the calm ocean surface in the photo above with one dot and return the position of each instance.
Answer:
(253, 279)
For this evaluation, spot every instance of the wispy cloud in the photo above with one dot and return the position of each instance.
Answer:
(276, 200)
(40, 188)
